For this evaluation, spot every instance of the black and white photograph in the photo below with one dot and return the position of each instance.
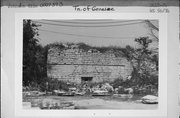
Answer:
(90, 64)
(90, 59)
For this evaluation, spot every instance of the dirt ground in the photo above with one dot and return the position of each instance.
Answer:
(90, 102)
(104, 104)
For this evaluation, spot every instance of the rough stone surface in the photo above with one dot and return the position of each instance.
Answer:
(149, 99)
(72, 64)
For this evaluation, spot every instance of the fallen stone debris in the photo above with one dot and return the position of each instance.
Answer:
(100, 93)
(33, 93)
(55, 104)
(149, 99)
(58, 92)
(57, 99)
(128, 96)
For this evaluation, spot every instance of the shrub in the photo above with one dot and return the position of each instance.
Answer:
(120, 82)
(56, 84)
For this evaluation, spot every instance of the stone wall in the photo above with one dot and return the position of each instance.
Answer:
(72, 64)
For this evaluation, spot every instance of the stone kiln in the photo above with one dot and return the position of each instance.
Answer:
(77, 65)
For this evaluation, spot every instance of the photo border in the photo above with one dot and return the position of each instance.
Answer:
(162, 105)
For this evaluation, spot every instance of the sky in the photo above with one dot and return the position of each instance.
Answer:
(93, 32)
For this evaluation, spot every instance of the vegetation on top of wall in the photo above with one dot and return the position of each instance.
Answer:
(58, 45)
(118, 51)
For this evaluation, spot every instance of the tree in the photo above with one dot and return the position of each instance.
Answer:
(34, 58)
(142, 61)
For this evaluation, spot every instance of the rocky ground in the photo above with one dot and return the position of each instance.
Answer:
(103, 104)
(85, 102)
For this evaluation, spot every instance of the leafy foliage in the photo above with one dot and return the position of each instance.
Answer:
(34, 55)
(120, 82)
(85, 47)
(55, 84)
(58, 45)
(144, 62)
